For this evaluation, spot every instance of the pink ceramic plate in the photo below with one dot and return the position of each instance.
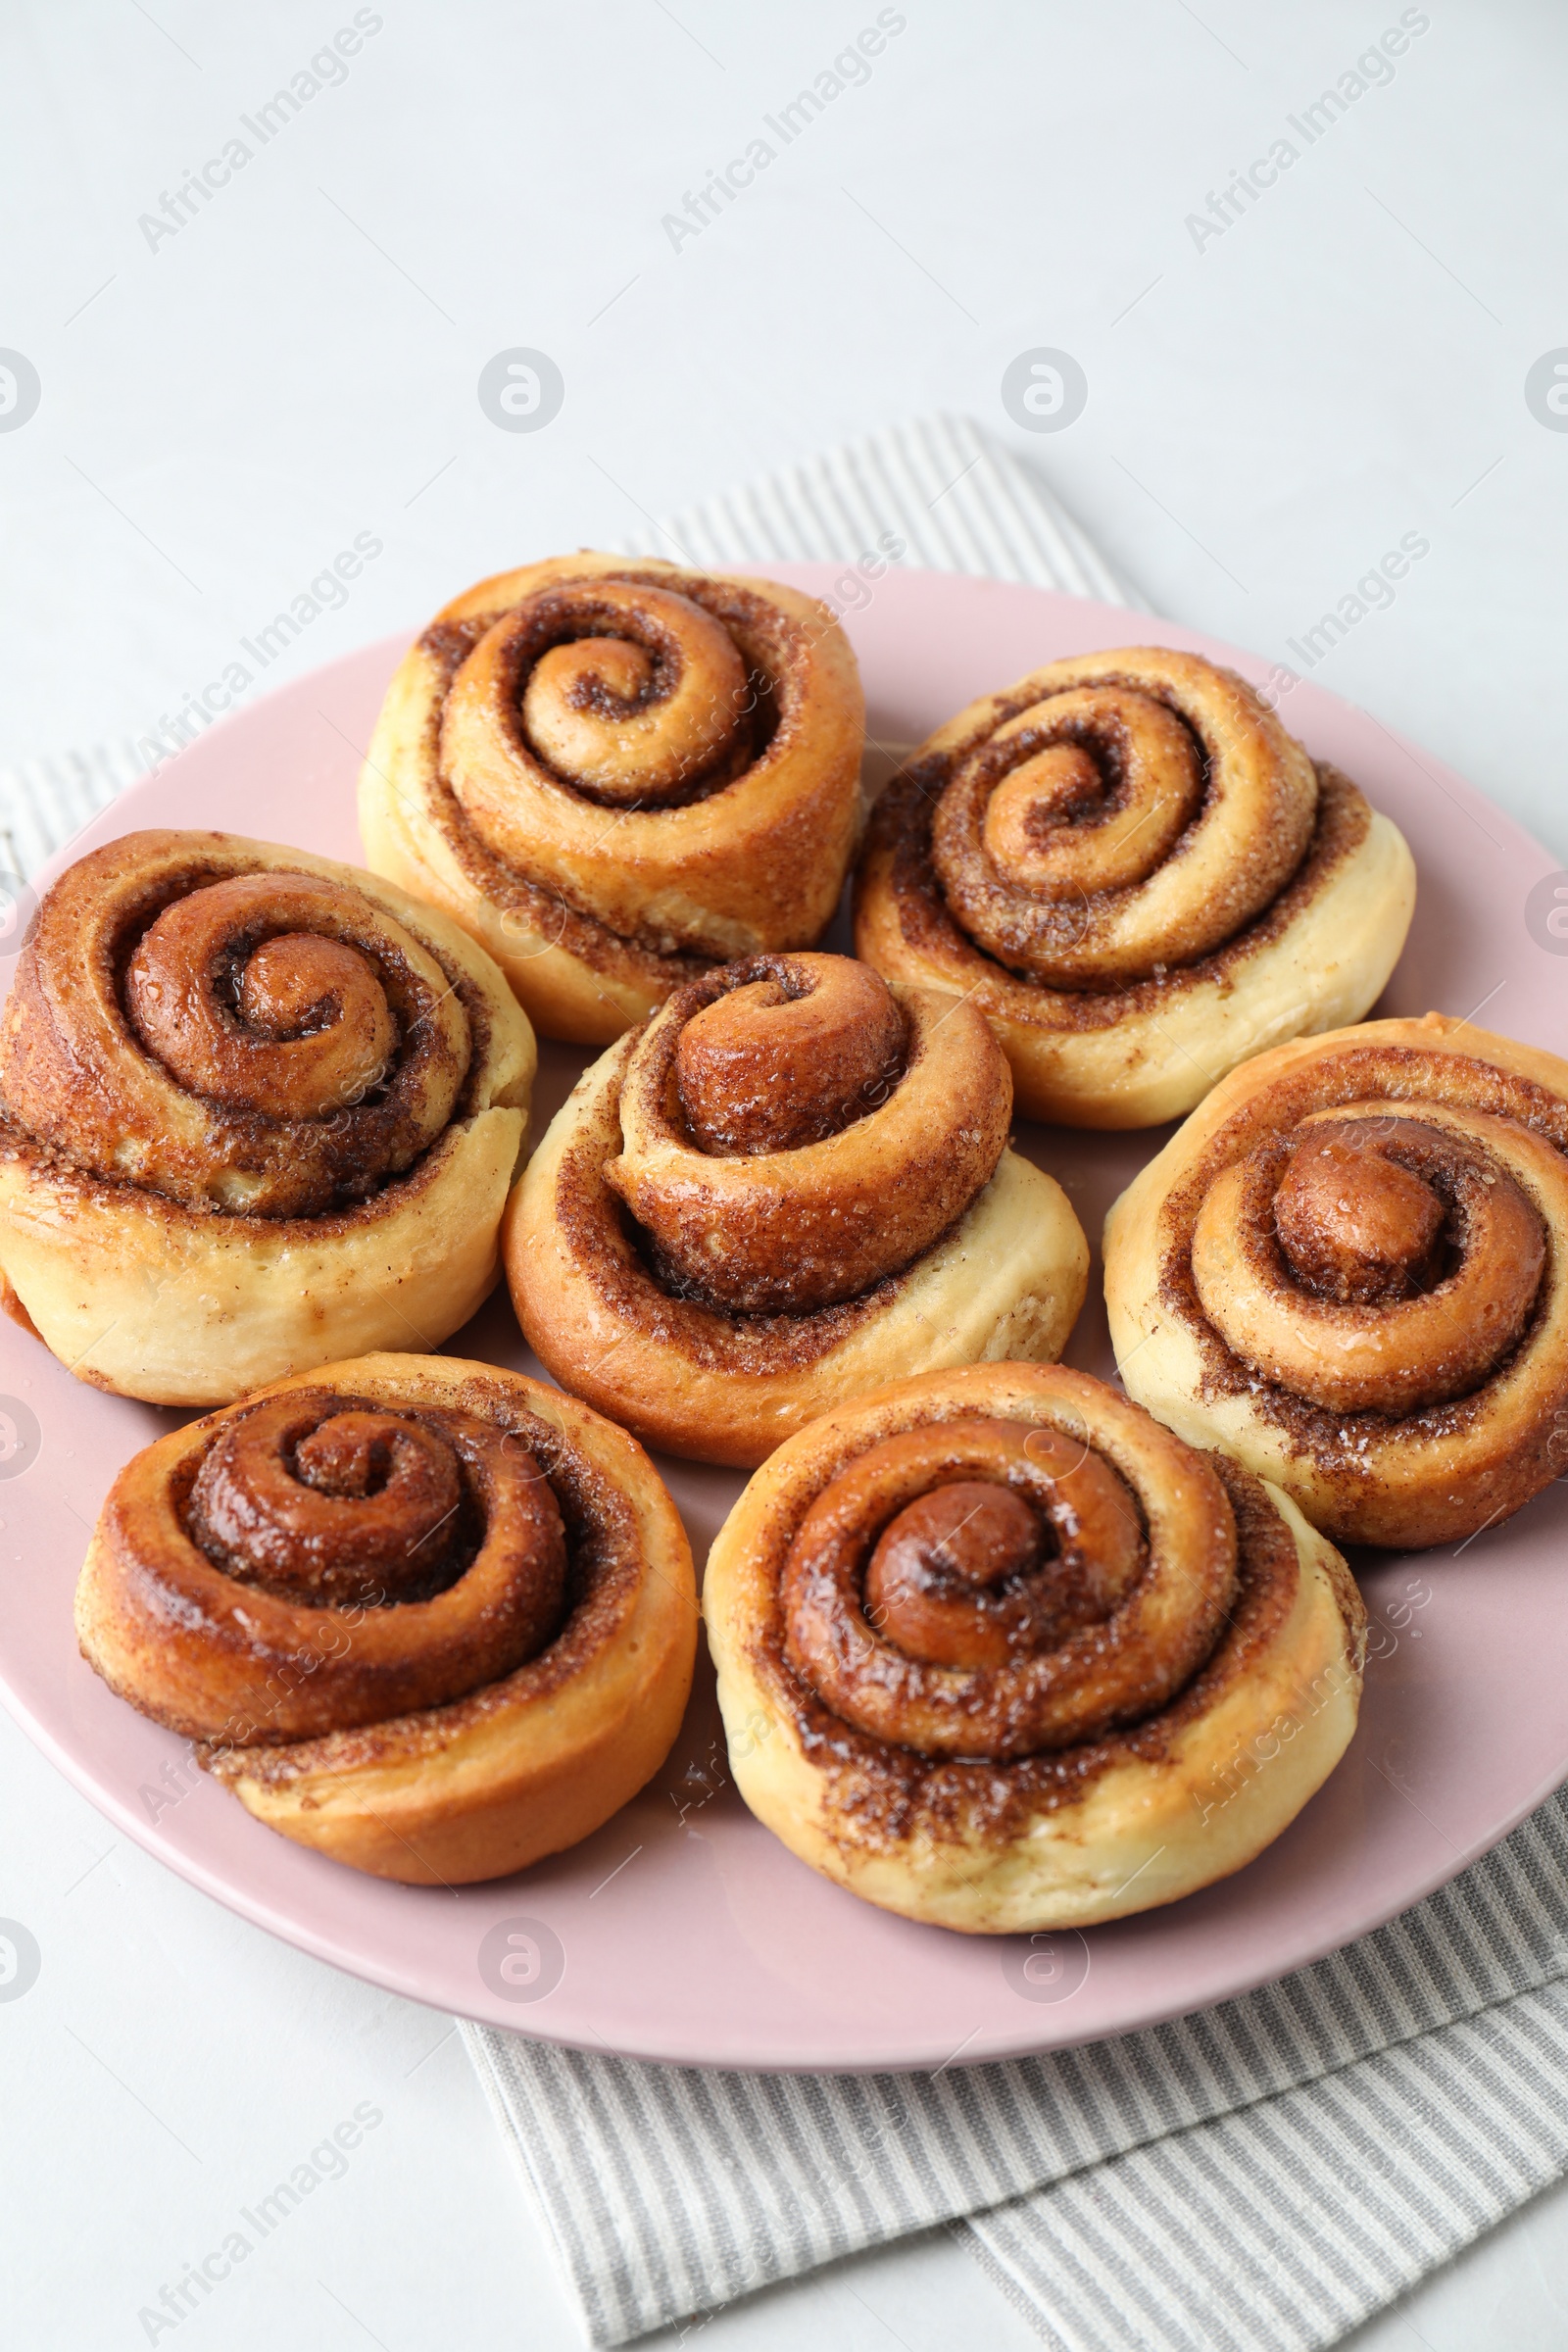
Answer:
(683, 1931)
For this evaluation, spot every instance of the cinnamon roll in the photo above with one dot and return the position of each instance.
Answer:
(615, 773)
(1138, 876)
(998, 1651)
(1349, 1267)
(791, 1184)
(256, 1110)
(431, 1618)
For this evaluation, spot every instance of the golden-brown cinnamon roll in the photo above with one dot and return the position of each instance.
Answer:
(996, 1650)
(256, 1110)
(792, 1185)
(614, 773)
(432, 1618)
(1350, 1268)
(1138, 876)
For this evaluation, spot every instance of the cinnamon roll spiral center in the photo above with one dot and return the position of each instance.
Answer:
(1370, 1264)
(1356, 1223)
(262, 993)
(793, 1134)
(299, 986)
(632, 695)
(357, 1509)
(789, 1059)
(333, 1502)
(1091, 800)
(991, 1589)
(1116, 816)
(975, 1574)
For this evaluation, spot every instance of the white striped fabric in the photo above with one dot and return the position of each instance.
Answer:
(1304, 2128)
(1279, 2228)
(1258, 2179)
(45, 802)
(958, 501)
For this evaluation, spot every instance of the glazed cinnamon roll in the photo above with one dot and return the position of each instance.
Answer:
(615, 774)
(256, 1110)
(1138, 876)
(998, 1651)
(790, 1186)
(1350, 1268)
(431, 1618)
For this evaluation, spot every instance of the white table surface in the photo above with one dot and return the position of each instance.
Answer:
(223, 409)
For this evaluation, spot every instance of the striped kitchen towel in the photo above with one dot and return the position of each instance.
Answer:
(957, 500)
(43, 803)
(1259, 2177)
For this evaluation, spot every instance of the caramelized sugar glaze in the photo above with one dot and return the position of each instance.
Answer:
(1349, 1266)
(984, 1628)
(400, 1606)
(736, 1211)
(216, 1052)
(1138, 876)
(615, 774)
(266, 1042)
(432, 1533)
